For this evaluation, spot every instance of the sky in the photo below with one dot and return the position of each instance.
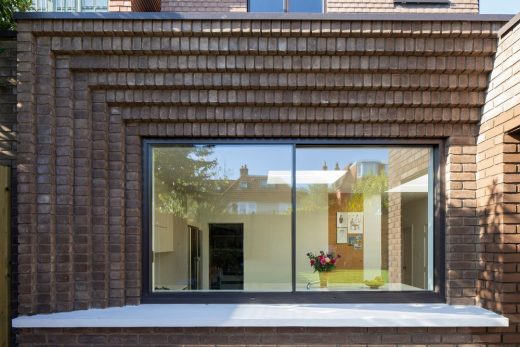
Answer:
(261, 159)
(499, 6)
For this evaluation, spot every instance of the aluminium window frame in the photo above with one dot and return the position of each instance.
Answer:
(437, 295)
(286, 8)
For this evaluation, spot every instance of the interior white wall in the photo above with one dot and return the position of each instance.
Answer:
(171, 262)
(267, 244)
(372, 255)
(311, 235)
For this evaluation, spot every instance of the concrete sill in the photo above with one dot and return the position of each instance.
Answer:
(282, 315)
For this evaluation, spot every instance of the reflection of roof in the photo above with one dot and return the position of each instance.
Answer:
(249, 187)
(305, 177)
(417, 185)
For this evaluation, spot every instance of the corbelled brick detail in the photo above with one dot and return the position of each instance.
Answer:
(80, 161)
(222, 80)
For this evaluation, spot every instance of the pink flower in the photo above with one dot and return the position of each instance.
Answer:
(327, 260)
(333, 261)
(323, 261)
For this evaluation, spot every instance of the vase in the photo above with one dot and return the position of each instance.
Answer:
(324, 279)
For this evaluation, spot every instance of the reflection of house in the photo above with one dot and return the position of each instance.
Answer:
(357, 171)
(251, 194)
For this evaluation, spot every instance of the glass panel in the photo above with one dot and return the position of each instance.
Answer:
(372, 206)
(266, 5)
(221, 217)
(306, 6)
(94, 5)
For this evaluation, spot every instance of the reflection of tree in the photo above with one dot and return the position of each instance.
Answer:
(184, 180)
(366, 186)
(312, 197)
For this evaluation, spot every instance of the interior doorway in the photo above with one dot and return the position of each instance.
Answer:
(226, 256)
(195, 249)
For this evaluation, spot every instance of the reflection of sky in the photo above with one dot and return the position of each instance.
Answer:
(259, 159)
(263, 158)
(314, 158)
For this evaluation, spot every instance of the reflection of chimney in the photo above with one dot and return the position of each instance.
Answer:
(244, 171)
(324, 167)
(337, 166)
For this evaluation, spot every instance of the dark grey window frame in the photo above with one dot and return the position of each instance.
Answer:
(286, 8)
(438, 295)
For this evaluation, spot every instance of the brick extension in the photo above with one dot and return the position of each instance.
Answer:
(79, 153)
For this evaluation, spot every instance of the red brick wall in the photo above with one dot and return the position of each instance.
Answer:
(107, 87)
(120, 5)
(203, 5)
(498, 183)
(312, 337)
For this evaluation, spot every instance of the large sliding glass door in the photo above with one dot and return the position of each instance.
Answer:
(245, 217)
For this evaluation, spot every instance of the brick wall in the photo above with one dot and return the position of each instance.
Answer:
(455, 6)
(7, 99)
(203, 5)
(8, 140)
(120, 5)
(146, 6)
(332, 6)
(312, 337)
(79, 151)
(498, 182)
(403, 165)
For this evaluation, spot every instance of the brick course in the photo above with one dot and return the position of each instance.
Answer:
(312, 337)
(79, 151)
(498, 194)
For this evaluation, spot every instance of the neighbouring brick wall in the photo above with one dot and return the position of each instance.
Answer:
(79, 150)
(498, 179)
(203, 5)
(7, 99)
(455, 6)
(332, 6)
(146, 6)
(120, 5)
(8, 128)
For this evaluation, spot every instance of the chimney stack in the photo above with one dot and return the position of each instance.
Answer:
(244, 171)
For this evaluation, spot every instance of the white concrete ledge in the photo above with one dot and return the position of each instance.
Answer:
(282, 315)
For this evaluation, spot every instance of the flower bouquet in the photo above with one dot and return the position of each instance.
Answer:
(323, 263)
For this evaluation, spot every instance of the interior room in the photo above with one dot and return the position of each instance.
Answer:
(222, 217)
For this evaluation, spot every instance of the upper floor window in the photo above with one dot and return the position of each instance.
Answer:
(309, 6)
(70, 5)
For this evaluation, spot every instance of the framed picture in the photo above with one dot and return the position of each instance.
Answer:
(355, 222)
(341, 220)
(342, 235)
(356, 241)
